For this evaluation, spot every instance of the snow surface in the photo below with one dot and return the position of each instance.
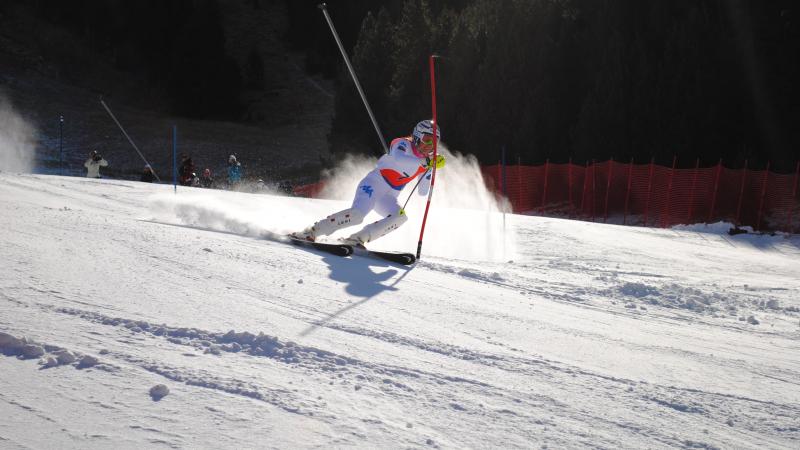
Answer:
(135, 317)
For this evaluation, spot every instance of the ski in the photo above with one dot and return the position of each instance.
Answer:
(335, 249)
(350, 250)
(403, 258)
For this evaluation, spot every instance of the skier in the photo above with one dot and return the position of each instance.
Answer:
(408, 158)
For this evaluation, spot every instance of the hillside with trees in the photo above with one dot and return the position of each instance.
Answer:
(581, 79)
(553, 80)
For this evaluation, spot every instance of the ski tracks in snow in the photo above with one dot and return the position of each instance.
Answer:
(523, 406)
(570, 346)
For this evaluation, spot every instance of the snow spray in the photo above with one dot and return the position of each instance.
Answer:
(467, 222)
(17, 143)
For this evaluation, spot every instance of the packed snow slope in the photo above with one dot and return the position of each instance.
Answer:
(132, 316)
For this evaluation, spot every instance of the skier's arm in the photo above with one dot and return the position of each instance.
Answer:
(408, 162)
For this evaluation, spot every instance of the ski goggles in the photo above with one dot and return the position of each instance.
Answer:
(427, 140)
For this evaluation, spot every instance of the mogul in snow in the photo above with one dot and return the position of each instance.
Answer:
(409, 157)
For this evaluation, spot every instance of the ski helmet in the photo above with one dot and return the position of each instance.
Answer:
(425, 127)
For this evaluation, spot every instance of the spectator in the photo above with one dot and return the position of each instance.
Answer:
(260, 186)
(207, 180)
(234, 172)
(93, 164)
(186, 173)
(286, 187)
(147, 174)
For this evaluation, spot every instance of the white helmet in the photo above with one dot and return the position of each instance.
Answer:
(425, 127)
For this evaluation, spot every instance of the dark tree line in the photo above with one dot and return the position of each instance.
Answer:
(582, 79)
(176, 46)
(546, 79)
(308, 31)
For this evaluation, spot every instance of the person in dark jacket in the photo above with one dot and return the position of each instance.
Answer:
(207, 180)
(147, 174)
(186, 173)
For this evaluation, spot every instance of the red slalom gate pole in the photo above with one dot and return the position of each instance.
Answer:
(435, 148)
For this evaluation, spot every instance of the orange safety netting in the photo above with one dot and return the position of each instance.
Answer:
(652, 195)
(645, 194)
(309, 190)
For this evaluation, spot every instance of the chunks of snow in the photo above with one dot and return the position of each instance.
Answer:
(8, 341)
(637, 290)
(159, 391)
(48, 361)
(773, 304)
(64, 357)
(88, 361)
(213, 349)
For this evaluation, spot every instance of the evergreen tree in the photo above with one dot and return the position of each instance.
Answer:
(554, 79)
(254, 70)
(202, 79)
(409, 94)
(371, 62)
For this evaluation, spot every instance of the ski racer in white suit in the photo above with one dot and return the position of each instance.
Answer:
(408, 158)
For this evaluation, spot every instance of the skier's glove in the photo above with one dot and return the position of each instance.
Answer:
(439, 162)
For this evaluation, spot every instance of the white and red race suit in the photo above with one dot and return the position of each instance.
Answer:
(380, 188)
(378, 192)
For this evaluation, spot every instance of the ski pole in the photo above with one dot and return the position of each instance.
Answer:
(324, 9)
(435, 142)
(129, 138)
(415, 188)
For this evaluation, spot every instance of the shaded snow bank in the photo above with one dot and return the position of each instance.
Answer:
(742, 233)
